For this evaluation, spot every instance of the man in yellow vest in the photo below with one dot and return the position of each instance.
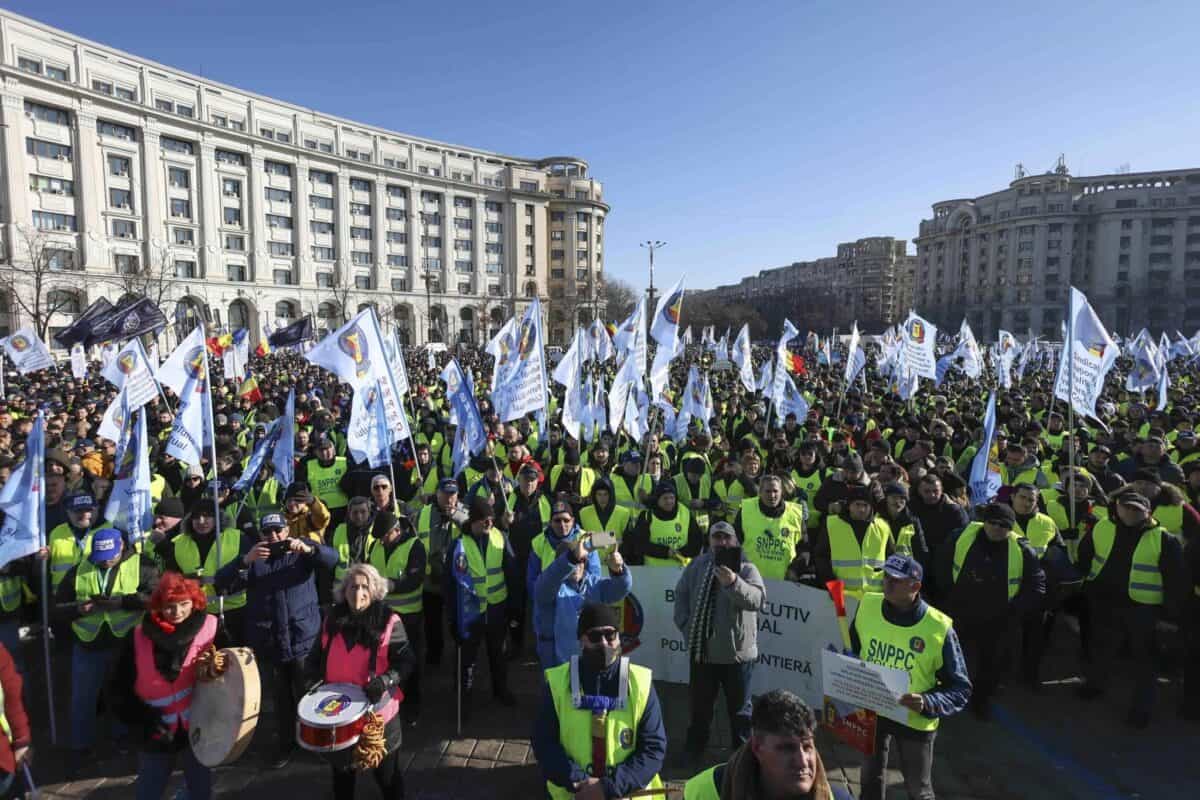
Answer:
(399, 556)
(855, 544)
(103, 598)
(1134, 568)
(68, 542)
(780, 762)
(898, 629)
(771, 529)
(994, 578)
(665, 534)
(324, 474)
(1042, 533)
(438, 526)
(600, 731)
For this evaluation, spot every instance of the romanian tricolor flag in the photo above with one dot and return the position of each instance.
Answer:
(264, 347)
(214, 346)
(795, 364)
(611, 327)
(249, 390)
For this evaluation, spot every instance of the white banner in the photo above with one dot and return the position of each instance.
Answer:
(864, 685)
(795, 624)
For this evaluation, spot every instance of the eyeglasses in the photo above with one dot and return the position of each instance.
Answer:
(596, 635)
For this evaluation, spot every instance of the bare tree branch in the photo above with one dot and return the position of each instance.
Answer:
(34, 281)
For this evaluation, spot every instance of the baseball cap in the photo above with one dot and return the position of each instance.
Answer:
(1133, 499)
(528, 471)
(273, 521)
(106, 544)
(630, 455)
(295, 489)
(722, 527)
(448, 486)
(903, 567)
(1000, 514)
(170, 507)
(81, 501)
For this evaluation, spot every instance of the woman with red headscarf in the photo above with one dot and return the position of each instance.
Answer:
(154, 682)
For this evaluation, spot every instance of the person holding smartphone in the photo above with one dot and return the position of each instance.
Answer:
(716, 609)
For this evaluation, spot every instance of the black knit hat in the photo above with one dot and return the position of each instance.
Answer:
(597, 615)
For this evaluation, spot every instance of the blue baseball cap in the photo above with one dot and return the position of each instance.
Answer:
(272, 521)
(448, 486)
(903, 567)
(630, 455)
(106, 545)
(81, 501)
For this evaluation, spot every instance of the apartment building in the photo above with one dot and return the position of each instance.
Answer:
(122, 174)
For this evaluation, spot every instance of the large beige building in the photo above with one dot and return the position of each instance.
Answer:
(245, 211)
(869, 280)
(1130, 241)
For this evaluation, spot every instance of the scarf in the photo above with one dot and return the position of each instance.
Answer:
(170, 643)
(701, 623)
(740, 781)
(358, 628)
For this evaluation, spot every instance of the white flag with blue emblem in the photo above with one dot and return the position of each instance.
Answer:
(132, 373)
(523, 388)
(985, 477)
(743, 359)
(130, 508)
(23, 500)
(1089, 353)
(27, 351)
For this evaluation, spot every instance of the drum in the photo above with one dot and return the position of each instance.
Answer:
(330, 718)
(224, 712)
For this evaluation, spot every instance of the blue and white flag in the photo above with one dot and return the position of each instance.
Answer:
(660, 370)
(1028, 353)
(665, 328)
(630, 338)
(471, 436)
(920, 337)
(599, 410)
(627, 379)
(697, 399)
(468, 602)
(130, 508)
(766, 378)
(112, 424)
(790, 402)
(259, 457)
(27, 351)
(355, 353)
(781, 356)
(1147, 363)
(23, 500)
(367, 437)
(395, 362)
(284, 455)
(1164, 383)
(503, 350)
(186, 372)
(1089, 353)
(570, 366)
(742, 358)
(236, 357)
(1006, 352)
(79, 362)
(523, 388)
(967, 352)
(600, 346)
(132, 372)
(985, 478)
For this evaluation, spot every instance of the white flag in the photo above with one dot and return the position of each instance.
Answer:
(850, 362)
(920, 339)
(186, 372)
(1088, 354)
(665, 328)
(781, 355)
(79, 362)
(742, 357)
(27, 351)
(600, 346)
(623, 340)
(132, 373)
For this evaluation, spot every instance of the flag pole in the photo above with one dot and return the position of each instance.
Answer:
(1069, 349)
(45, 595)
(212, 445)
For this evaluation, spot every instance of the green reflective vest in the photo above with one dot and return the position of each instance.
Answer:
(576, 726)
(88, 585)
(672, 533)
(1016, 564)
(858, 565)
(392, 567)
(916, 649)
(770, 542)
(341, 543)
(66, 551)
(486, 569)
(187, 556)
(1040, 532)
(323, 482)
(1145, 575)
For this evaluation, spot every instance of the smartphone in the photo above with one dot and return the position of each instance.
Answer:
(599, 540)
(279, 548)
(729, 557)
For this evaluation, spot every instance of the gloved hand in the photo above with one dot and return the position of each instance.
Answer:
(376, 688)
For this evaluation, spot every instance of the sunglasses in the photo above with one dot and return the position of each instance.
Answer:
(597, 635)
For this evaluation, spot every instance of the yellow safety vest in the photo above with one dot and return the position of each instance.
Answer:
(1040, 533)
(87, 586)
(1145, 575)
(65, 551)
(341, 543)
(576, 726)
(1170, 518)
(157, 484)
(916, 649)
(770, 542)
(618, 522)
(12, 596)
(486, 570)
(684, 495)
(187, 556)
(858, 565)
(703, 786)
(626, 496)
(393, 568)
(671, 533)
(1016, 563)
(587, 477)
(903, 537)
(4, 726)
(732, 493)
(324, 482)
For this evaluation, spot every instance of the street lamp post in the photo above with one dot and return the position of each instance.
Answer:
(651, 245)
(428, 310)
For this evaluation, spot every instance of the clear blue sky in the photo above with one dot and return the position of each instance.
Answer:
(747, 135)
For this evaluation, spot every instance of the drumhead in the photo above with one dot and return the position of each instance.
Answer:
(332, 704)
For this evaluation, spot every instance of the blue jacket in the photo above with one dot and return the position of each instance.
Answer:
(558, 599)
(629, 776)
(282, 615)
(533, 565)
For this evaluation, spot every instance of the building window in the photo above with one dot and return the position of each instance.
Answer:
(233, 216)
(231, 187)
(281, 277)
(230, 157)
(126, 264)
(317, 201)
(43, 183)
(29, 65)
(362, 281)
(279, 221)
(47, 113)
(59, 260)
(325, 280)
(397, 261)
(494, 227)
(277, 168)
(557, 255)
(431, 263)
(397, 237)
(581, 218)
(177, 145)
(124, 132)
(42, 149)
(282, 249)
(318, 227)
(397, 214)
(124, 229)
(184, 236)
(185, 269)
(235, 272)
(126, 94)
(359, 185)
(464, 224)
(556, 236)
(49, 221)
(181, 209)
(360, 209)
(463, 244)
(57, 73)
(235, 242)
(322, 253)
(399, 284)
(118, 166)
(178, 178)
(184, 111)
(1125, 242)
(431, 241)
(464, 266)
(1130, 203)
(529, 186)
(320, 176)
(278, 195)
(360, 258)
(360, 233)
(493, 207)
(164, 105)
(397, 192)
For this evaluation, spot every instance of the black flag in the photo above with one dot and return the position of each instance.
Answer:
(299, 331)
(81, 328)
(128, 320)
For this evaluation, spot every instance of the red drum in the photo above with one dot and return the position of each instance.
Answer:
(331, 717)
